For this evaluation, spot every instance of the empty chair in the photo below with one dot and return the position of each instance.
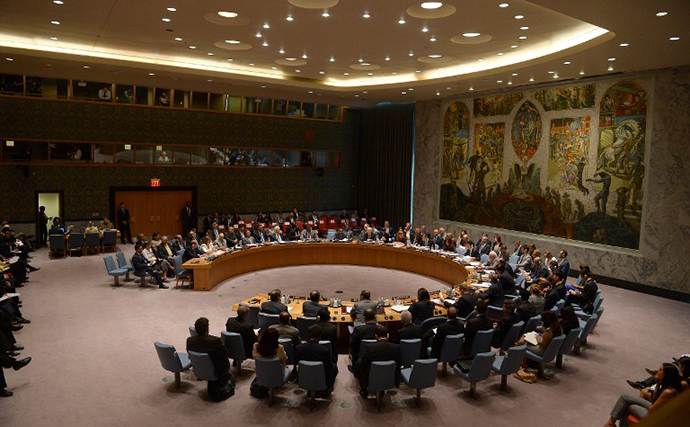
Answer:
(513, 259)
(381, 378)
(122, 263)
(303, 325)
(421, 375)
(172, 361)
(233, 342)
(181, 275)
(520, 280)
(549, 354)
(512, 335)
(450, 350)
(510, 363)
(289, 349)
(532, 323)
(599, 312)
(112, 270)
(92, 241)
(76, 243)
(270, 374)
(494, 313)
(253, 317)
(586, 330)
(433, 322)
(192, 331)
(57, 244)
(266, 320)
(312, 378)
(484, 258)
(410, 350)
(109, 239)
(479, 371)
(465, 319)
(567, 345)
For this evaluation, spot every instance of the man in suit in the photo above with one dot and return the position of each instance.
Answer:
(165, 252)
(380, 351)
(505, 279)
(220, 243)
(293, 231)
(436, 241)
(472, 250)
(563, 263)
(484, 246)
(178, 244)
(526, 309)
(466, 302)
(7, 361)
(248, 239)
(314, 352)
(241, 326)
(312, 307)
(585, 294)
(357, 312)
(538, 271)
(214, 232)
(285, 329)
(525, 260)
(494, 295)
(408, 330)
(276, 235)
(309, 235)
(222, 387)
(451, 327)
(510, 317)
(192, 251)
(476, 324)
(143, 267)
(368, 235)
(274, 306)
(329, 332)
(123, 224)
(364, 332)
(187, 218)
(556, 290)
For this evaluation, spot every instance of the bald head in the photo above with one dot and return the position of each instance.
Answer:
(406, 317)
(452, 313)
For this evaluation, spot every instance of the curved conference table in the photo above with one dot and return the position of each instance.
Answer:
(208, 274)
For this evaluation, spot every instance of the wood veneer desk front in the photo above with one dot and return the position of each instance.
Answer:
(208, 274)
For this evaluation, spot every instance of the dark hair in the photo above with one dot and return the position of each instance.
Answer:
(509, 304)
(567, 314)
(423, 295)
(324, 315)
(381, 331)
(201, 326)
(452, 313)
(284, 317)
(315, 296)
(684, 363)
(268, 343)
(242, 311)
(501, 267)
(559, 273)
(314, 333)
(365, 294)
(138, 245)
(369, 314)
(275, 294)
(565, 253)
(481, 307)
(672, 379)
(551, 321)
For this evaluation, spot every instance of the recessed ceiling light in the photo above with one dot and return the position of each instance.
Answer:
(322, 72)
(263, 86)
(230, 59)
(371, 74)
(471, 34)
(54, 38)
(388, 58)
(172, 9)
(551, 72)
(264, 44)
(411, 89)
(251, 63)
(165, 19)
(531, 79)
(305, 56)
(417, 71)
(325, 14)
(291, 59)
(231, 42)
(435, 56)
(425, 30)
(433, 39)
(58, 2)
(209, 80)
(266, 26)
(514, 74)
(499, 81)
(674, 38)
(55, 22)
(504, 5)
(514, 46)
(610, 68)
(258, 34)
(290, 18)
(524, 28)
(394, 73)
(225, 14)
(499, 54)
(281, 51)
(346, 74)
(178, 39)
(431, 5)
(438, 93)
(624, 45)
(471, 88)
(522, 37)
(611, 59)
(519, 16)
(210, 54)
(365, 91)
(403, 93)
(582, 73)
(510, 83)
(332, 59)
(366, 64)
(356, 95)
(567, 63)
(661, 13)
(9, 59)
(86, 66)
(274, 68)
(410, 54)
(480, 59)
(555, 76)
(401, 21)
(310, 91)
(192, 47)
(366, 15)
(360, 60)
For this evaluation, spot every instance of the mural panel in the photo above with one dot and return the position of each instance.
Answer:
(566, 98)
(568, 151)
(496, 105)
(593, 201)
(456, 133)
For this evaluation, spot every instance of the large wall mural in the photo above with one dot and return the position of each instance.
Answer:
(566, 175)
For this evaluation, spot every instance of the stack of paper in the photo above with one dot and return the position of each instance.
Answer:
(400, 308)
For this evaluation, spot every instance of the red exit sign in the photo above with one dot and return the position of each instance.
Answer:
(155, 182)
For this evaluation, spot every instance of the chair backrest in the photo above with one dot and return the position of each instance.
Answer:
(266, 320)
(597, 302)
(382, 375)
(481, 366)
(484, 258)
(121, 260)
(410, 350)
(289, 349)
(177, 260)
(452, 347)
(433, 322)
(482, 342)
(512, 335)
(423, 373)
(269, 372)
(202, 365)
(233, 342)
(599, 312)
(57, 241)
(588, 327)
(513, 259)
(169, 359)
(461, 250)
(552, 349)
(365, 342)
(312, 375)
(512, 361)
(469, 316)
(109, 264)
(532, 323)
(303, 325)
(569, 341)
(180, 252)
(76, 241)
(495, 313)
(519, 280)
(109, 237)
(192, 331)
(331, 234)
(253, 316)
(559, 305)
(93, 239)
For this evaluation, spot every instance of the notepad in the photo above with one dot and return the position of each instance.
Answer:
(290, 308)
(400, 308)
(348, 309)
(531, 338)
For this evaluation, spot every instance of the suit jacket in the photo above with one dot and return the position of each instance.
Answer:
(329, 332)
(564, 266)
(551, 298)
(122, 217)
(421, 310)
(367, 332)
(474, 325)
(216, 350)
(501, 330)
(214, 233)
(162, 252)
(495, 295)
(381, 350)
(561, 289)
(187, 217)
(306, 235)
(451, 327)
(407, 332)
(248, 240)
(288, 331)
(311, 309)
(140, 264)
(437, 242)
(190, 253)
(246, 330)
(315, 352)
(526, 310)
(541, 272)
(359, 308)
(525, 261)
(177, 245)
(484, 248)
(273, 307)
(508, 283)
(466, 303)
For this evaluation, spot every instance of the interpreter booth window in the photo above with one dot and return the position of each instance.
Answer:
(218, 156)
(113, 153)
(241, 157)
(34, 86)
(200, 100)
(280, 158)
(143, 95)
(217, 102)
(47, 88)
(279, 107)
(293, 159)
(263, 158)
(144, 154)
(294, 109)
(162, 155)
(308, 110)
(73, 153)
(11, 84)
(334, 112)
(124, 94)
(198, 156)
(320, 158)
(92, 91)
(307, 159)
(24, 151)
(163, 97)
(333, 159)
(180, 98)
(234, 104)
(321, 111)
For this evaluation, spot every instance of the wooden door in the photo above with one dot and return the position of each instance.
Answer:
(154, 210)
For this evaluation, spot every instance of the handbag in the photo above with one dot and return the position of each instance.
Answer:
(524, 376)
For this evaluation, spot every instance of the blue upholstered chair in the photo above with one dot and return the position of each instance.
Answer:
(172, 361)
(421, 375)
(123, 263)
(469, 316)
(109, 239)
(512, 335)
(303, 325)
(270, 373)
(598, 312)
(479, 371)
(312, 378)
(567, 346)
(112, 270)
(289, 349)
(181, 275)
(450, 350)
(482, 342)
(410, 350)
(432, 323)
(586, 330)
(233, 342)
(76, 243)
(510, 363)
(494, 312)
(381, 378)
(532, 323)
(266, 320)
(192, 331)
(202, 365)
(513, 259)
(484, 258)
(57, 244)
(549, 354)
(92, 241)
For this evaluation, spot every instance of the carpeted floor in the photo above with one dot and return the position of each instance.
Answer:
(95, 364)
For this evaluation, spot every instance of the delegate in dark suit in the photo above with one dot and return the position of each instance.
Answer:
(495, 294)
(142, 267)
(311, 308)
(187, 219)
(407, 332)
(123, 225)
(381, 350)
(273, 307)
(315, 352)
(219, 356)
(564, 266)
(246, 331)
(466, 303)
(501, 330)
(474, 325)
(366, 332)
(421, 310)
(329, 332)
(451, 327)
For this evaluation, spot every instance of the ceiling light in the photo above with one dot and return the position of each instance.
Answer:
(435, 56)
(322, 72)
(522, 37)
(371, 74)
(192, 47)
(264, 44)
(411, 89)
(365, 91)
(54, 38)
(263, 86)
(178, 39)
(291, 59)
(499, 54)
(514, 74)
(499, 81)
(290, 18)
(86, 67)
(624, 45)
(230, 59)
(661, 13)
(151, 74)
(266, 26)
(433, 39)
(346, 74)
(55, 22)
(471, 34)
(281, 51)
(582, 73)
(514, 46)
(210, 54)
(551, 72)
(438, 93)
(567, 63)
(471, 88)
(417, 71)
(431, 5)
(251, 63)
(9, 59)
(401, 21)
(388, 58)
(531, 79)
(274, 68)
(510, 83)
(310, 91)
(611, 59)
(172, 9)
(225, 14)
(165, 19)
(360, 60)
(403, 93)
(425, 30)
(58, 2)
(356, 95)
(366, 15)
(305, 56)
(410, 54)
(524, 28)
(332, 59)
(366, 64)
(519, 16)
(674, 38)
(555, 76)
(610, 68)
(325, 14)
(503, 5)
(258, 34)
(231, 42)
(394, 73)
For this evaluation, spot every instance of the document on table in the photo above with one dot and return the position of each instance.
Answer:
(400, 308)
(290, 308)
(483, 285)
(531, 338)
(348, 309)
